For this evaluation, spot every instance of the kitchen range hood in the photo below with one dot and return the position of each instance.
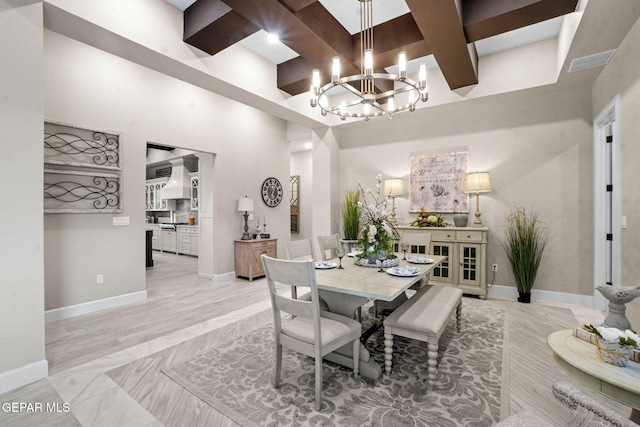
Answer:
(179, 185)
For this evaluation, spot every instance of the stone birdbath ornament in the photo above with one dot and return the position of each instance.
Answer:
(618, 297)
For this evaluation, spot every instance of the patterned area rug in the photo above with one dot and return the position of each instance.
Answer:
(237, 380)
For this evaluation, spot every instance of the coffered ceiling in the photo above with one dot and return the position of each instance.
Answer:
(448, 33)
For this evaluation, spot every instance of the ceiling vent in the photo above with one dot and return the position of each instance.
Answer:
(590, 61)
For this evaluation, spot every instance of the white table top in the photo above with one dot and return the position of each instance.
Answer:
(580, 360)
(368, 282)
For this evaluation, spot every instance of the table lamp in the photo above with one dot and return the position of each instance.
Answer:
(478, 182)
(245, 204)
(393, 187)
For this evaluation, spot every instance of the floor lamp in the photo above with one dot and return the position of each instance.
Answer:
(393, 187)
(477, 183)
(245, 204)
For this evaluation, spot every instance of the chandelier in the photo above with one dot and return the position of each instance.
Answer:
(367, 103)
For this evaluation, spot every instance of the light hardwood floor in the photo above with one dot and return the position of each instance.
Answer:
(106, 365)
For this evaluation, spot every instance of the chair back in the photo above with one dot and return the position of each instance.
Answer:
(327, 243)
(299, 250)
(419, 242)
(295, 273)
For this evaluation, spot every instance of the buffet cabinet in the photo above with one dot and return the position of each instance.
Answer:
(248, 252)
(466, 250)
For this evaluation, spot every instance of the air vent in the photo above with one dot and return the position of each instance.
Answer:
(590, 61)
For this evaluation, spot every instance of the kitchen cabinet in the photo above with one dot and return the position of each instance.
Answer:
(169, 241)
(155, 237)
(188, 240)
(194, 191)
(248, 252)
(466, 252)
(153, 201)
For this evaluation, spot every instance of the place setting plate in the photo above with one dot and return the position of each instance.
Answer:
(419, 260)
(403, 271)
(325, 265)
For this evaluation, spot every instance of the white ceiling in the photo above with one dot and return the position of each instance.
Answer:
(347, 12)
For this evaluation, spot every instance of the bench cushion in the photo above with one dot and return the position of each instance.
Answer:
(426, 314)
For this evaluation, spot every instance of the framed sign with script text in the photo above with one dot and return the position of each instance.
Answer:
(436, 182)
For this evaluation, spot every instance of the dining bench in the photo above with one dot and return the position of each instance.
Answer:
(423, 317)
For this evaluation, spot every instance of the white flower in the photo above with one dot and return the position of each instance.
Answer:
(614, 334)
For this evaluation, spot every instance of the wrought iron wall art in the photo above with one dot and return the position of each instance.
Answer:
(81, 190)
(65, 145)
(83, 170)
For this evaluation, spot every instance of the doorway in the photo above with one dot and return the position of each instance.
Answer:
(607, 200)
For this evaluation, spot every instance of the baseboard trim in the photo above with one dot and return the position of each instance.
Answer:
(224, 277)
(93, 306)
(509, 292)
(23, 375)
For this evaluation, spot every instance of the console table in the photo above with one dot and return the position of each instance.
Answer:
(466, 252)
(248, 263)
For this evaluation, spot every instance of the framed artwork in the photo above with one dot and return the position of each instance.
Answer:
(436, 182)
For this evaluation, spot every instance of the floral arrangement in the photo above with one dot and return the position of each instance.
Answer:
(614, 335)
(377, 232)
(428, 219)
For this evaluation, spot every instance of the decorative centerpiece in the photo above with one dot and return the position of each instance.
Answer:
(428, 219)
(613, 345)
(377, 232)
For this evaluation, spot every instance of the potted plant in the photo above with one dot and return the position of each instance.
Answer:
(351, 218)
(524, 245)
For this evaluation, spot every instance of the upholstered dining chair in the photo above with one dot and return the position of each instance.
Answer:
(311, 332)
(419, 243)
(299, 250)
(327, 243)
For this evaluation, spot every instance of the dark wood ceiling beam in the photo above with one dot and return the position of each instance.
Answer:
(313, 33)
(441, 26)
(211, 26)
(486, 18)
(392, 37)
(297, 5)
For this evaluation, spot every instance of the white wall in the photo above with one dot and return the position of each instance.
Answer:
(22, 344)
(91, 88)
(536, 144)
(622, 76)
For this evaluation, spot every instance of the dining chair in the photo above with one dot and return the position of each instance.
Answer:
(419, 245)
(311, 332)
(328, 243)
(299, 250)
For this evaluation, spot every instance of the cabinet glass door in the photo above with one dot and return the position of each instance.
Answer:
(443, 271)
(469, 262)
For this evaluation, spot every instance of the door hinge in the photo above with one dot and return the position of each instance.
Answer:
(609, 187)
(609, 283)
(609, 236)
(609, 138)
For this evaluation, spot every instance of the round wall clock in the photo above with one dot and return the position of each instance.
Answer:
(272, 192)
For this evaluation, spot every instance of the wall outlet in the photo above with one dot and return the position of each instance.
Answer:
(100, 278)
(494, 267)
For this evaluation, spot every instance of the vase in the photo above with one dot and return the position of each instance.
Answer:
(460, 219)
(373, 259)
(524, 297)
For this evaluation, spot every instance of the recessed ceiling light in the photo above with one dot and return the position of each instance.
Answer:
(308, 145)
(272, 38)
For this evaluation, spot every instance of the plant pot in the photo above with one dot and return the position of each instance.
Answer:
(524, 297)
(460, 219)
(373, 259)
(348, 244)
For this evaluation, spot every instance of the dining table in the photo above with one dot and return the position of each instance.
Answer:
(351, 287)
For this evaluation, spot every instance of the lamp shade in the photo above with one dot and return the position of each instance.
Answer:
(478, 182)
(394, 187)
(245, 204)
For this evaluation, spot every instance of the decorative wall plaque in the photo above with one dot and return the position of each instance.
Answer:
(83, 170)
